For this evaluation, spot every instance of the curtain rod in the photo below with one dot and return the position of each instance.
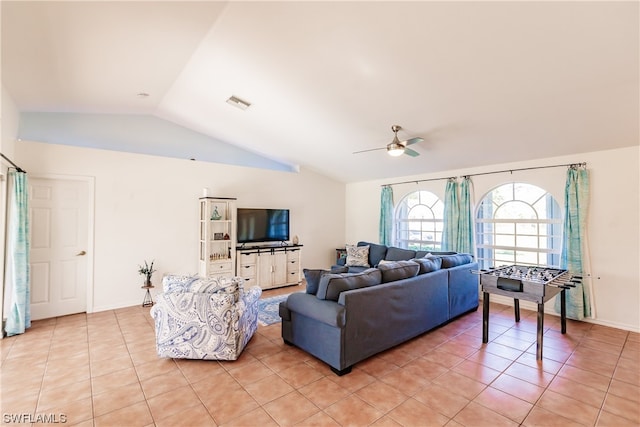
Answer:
(18, 168)
(572, 165)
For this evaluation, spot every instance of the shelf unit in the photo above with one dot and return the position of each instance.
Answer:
(217, 237)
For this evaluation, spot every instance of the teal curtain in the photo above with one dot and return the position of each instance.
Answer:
(17, 280)
(465, 219)
(574, 235)
(451, 214)
(386, 216)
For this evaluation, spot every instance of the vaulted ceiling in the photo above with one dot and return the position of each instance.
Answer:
(481, 82)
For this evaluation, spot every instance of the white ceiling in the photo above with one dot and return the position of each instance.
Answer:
(482, 82)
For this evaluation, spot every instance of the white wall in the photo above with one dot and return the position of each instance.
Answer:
(614, 219)
(146, 208)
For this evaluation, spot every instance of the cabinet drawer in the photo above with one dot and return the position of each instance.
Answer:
(293, 255)
(247, 270)
(218, 267)
(246, 259)
(293, 266)
(249, 282)
(293, 276)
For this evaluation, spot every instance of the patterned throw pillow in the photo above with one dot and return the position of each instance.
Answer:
(357, 256)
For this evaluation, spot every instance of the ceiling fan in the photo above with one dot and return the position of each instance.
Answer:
(396, 147)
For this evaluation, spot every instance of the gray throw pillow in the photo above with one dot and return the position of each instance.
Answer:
(398, 270)
(312, 277)
(449, 261)
(399, 254)
(428, 264)
(331, 285)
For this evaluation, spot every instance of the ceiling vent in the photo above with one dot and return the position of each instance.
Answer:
(239, 103)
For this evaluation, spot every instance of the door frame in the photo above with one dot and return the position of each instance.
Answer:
(91, 184)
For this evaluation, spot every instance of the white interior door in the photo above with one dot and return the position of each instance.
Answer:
(59, 228)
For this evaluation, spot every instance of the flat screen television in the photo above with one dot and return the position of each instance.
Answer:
(263, 225)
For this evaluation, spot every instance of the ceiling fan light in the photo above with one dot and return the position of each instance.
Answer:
(395, 150)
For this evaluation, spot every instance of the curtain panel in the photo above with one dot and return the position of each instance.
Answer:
(465, 219)
(574, 256)
(451, 216)
(17, 280)
(386, 216)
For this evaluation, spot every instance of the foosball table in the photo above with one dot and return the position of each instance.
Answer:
(528, 283)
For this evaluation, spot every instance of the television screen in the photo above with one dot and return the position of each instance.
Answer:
(263, 225)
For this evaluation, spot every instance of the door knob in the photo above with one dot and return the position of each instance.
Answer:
(81, 253)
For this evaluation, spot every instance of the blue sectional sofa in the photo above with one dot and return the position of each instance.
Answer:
(351, 313)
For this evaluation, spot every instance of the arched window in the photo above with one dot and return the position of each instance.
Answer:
(419, 221)
(518, 223)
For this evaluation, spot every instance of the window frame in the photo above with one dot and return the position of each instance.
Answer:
(402, 223)
(548, 225)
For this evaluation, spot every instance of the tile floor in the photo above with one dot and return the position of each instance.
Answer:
(101, 370)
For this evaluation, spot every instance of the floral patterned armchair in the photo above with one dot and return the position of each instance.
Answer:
(204, 318)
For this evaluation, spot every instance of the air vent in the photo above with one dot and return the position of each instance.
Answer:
(239, 103)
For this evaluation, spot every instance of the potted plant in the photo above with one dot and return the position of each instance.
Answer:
(146, 270)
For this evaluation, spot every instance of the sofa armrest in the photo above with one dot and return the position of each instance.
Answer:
(463, 288)
(308, 305)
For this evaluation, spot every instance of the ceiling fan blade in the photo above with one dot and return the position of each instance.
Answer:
(370, 149)
(413, 141)
(410, 152)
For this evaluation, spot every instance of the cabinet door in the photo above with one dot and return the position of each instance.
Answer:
(265, 270)
(279, 268)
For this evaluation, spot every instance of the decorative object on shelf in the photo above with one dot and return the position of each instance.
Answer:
(147, 270)
(217, 236)
(226, 236)
(215, 215)
(295, 240)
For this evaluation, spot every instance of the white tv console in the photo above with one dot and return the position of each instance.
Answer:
(269, 266)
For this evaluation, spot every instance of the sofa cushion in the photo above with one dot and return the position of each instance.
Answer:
(332, 284)
(376, 252)
(312, 277)
(428, 264)
(399, 254)
(397, 270)
(449, 261)
(357, 256)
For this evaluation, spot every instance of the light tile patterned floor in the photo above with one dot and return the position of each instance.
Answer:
(101, 370)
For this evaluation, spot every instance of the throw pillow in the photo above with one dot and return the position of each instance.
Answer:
(449, 261)
(428, 264)
(312, 277)
(398, 270)
(399, 254)
(331, 285)
(357, 256)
